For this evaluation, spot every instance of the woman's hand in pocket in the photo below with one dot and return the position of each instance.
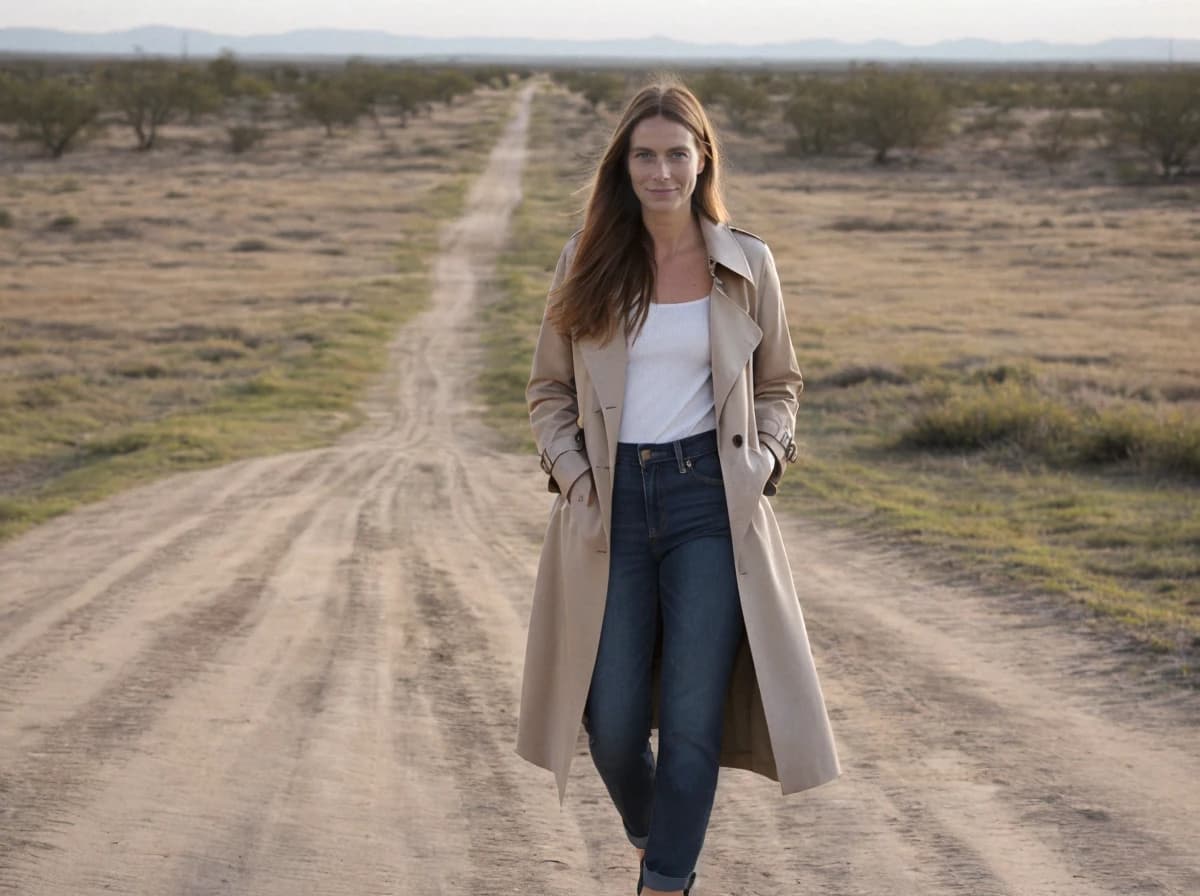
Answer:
(583, 489)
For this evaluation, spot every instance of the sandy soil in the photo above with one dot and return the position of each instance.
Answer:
(299, 674)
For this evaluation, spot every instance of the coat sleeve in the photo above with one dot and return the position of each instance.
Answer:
(777, 379)
(552, 399)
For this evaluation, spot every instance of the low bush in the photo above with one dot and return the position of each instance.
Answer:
(817, 112)
(1004, 415)
(858, 374)
(1160, 115)
(1012, 416)
(244, 136)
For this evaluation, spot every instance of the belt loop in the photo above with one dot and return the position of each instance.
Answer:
(678, 443)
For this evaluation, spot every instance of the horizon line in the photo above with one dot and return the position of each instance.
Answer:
(626, 39)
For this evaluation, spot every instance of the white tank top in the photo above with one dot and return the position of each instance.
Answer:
(668, 380)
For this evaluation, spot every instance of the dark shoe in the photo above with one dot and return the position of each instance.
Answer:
(686, 890)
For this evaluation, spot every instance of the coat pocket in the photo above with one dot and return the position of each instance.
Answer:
(584, 520)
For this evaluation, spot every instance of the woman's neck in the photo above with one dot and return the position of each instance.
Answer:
(673, 234)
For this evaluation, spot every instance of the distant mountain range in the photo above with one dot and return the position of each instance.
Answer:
(161, 40)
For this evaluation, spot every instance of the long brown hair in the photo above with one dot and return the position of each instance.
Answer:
(612, 275)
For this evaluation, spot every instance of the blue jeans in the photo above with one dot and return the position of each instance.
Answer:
(671, 566)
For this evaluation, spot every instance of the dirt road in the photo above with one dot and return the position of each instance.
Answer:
(299, 675)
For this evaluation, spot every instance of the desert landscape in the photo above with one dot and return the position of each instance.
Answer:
(271, 512)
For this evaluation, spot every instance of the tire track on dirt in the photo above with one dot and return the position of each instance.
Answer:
(961, 731)
(81, 594)
(95, 628)
(56, 775)
(281, 663)
(59, 766)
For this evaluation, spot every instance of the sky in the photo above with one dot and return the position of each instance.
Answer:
(736, 21)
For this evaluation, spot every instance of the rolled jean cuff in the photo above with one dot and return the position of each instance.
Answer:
(656, 881)
(639, 842)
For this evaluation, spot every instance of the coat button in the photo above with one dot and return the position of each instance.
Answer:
(737, 440)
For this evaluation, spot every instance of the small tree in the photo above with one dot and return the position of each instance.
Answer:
(747, 104)
(330, 102)
(371, 88)
(253, 93)
(149, 94)
(198, 96)
(49, 111)
(599, 89)
(286, 78)
(1161, 116)
(1057, 139)
(224, 72)
(817, 112)
(714, 86)
(891, 110)
(451, 84)
(406, 91)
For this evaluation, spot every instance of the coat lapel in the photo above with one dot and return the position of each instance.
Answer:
(605, 366)
(733, 336)
(732, 332)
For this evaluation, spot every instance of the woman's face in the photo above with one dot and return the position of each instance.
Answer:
(664, 161)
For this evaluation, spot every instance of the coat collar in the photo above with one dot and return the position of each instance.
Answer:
(724, 249)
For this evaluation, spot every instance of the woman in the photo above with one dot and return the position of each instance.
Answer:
(663, 397)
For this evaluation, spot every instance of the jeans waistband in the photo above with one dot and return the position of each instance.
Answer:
(642, 453)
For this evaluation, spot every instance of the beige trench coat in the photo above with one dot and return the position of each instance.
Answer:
(775, 719)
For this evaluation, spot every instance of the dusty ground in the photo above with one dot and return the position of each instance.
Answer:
(300, 674)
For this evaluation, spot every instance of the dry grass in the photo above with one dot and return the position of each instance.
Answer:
(923, 295)
(188, 306)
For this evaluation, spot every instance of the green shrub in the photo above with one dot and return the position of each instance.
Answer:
(1166, 445)
(149, 93)
(244, 136)
(1012, 415)
(598, 88)
(1007, 414)
(1175, 447)
(747, 105)
(818, 114)
(857, 374)
(1057, 139)
(1160, 115)
(51, 111)
(126, 443)
(897, 109)
(224, 72)
(331, 102)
